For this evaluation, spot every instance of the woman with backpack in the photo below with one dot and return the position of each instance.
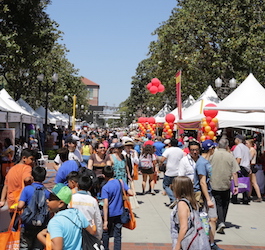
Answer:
(147, 165)
(187, 231)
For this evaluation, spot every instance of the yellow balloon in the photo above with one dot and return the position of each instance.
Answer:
(204, 119)
(202, 138)
(207, 129)
(204, 124)
(167, 127)
(214, 138)
(166, 123)
(169, 131)
(215, 120)
(211, 134)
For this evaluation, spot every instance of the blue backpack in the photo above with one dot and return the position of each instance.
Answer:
(36, 213)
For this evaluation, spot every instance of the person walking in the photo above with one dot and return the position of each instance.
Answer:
(224, 166)
(242, 155)
(173, 155)
(148, 167)
(253, 154)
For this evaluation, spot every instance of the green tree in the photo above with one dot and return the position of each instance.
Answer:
(206, 40)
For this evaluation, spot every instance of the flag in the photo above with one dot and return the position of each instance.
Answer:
(178, 94)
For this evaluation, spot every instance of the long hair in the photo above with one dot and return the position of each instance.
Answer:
(148, 150)
(183, 188)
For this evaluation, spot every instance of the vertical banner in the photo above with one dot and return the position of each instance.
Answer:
(178, 94)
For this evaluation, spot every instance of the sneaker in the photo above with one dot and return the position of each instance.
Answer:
(220, 228)
(257, 200)
(153, 192)
(215, 247)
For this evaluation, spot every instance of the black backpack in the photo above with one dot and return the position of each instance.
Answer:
(36, 213)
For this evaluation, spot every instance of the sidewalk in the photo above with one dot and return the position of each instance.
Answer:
(245, 224)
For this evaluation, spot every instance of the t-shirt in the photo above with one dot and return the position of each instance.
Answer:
(242, 151)
(88, 205)
(15, 180)
(173, 155)
(28, 192)
(187, 167)
(59, 226)
(76, 155)
(203, 167)
(112, 191)
(55, 135)
(223, 166)
(64, 170)
(159, 147)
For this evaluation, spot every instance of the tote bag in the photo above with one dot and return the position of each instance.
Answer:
(10, 240)
(243, 184)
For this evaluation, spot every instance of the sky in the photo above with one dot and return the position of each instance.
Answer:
(107, 39)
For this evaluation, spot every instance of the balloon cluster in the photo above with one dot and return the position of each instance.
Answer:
(155, 86)
(168, 125)
(209, 123)
(145, 124)
(31, 129)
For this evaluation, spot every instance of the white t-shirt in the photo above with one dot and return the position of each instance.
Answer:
(55, 135)
(173, 155)
(242, 151)
(187, 167)
(76, 155)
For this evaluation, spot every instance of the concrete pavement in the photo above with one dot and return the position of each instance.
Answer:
(245, 223)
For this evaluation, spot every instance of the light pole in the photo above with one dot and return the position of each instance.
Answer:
(66, 97)
(153, 109)
(224, 88)
(47, 90)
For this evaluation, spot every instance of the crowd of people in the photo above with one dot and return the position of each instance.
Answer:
(92, 166)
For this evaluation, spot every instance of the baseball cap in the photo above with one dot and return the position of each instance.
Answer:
(118, 145)
(149, 142)
(63, 192)
(167, 141)
(240, 137)
(207, 144)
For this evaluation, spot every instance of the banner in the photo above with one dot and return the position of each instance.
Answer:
(178, 94)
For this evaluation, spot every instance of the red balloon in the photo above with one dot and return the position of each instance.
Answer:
(212, 125)
(208, 119)
(151, 120)
(170, 118)
(211, 113)
(207, 137)
(145, 119)
(153, 90)
(155, 82)
(141, 119)
(161, 88)
(149, 85)
(171, 125)
(164, 130)
(215, 129)
(203, 129)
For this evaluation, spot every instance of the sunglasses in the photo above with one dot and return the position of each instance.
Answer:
(101, 147)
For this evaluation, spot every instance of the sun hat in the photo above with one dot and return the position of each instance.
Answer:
(129, 143)
(63, 192)
(118, 145)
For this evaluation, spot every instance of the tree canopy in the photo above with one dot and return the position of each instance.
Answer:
(205, 39)
(29, 47)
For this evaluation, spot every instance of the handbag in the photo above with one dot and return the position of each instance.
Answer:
(126, 203)
(243, 184)
(10, 239)
(125, 216)
(6, 167)
(135, 172)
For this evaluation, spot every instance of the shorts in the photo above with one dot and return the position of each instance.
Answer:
(211, 211)
(254, 169)
(147, 170)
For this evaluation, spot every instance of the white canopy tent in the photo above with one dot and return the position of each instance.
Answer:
(245, 106)
(62, 118)
(15, 112)
(29, 109)
(41, 111)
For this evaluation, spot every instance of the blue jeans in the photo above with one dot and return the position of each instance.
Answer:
(114, 229)
(167, 181)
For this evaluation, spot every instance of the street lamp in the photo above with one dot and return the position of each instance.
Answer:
(40, 78)
(224, 89)
(149, 109)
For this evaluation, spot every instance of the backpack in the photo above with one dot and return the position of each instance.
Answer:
(145, 162)
(195, 237)
(137, 148)
(36, 213)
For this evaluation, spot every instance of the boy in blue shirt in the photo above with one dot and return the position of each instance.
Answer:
(113, 207)
(28, 237)
(64, 227)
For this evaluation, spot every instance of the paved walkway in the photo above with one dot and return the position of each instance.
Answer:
(245, 224)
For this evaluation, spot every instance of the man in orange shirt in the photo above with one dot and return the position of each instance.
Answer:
(18, 177)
